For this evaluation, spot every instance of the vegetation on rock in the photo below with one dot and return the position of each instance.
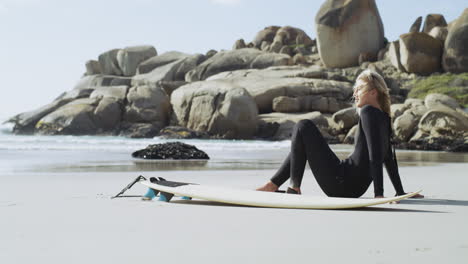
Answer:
(453, 85)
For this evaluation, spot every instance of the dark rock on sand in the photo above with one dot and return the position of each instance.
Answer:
(172, 150)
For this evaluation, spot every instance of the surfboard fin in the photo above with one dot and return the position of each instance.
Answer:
(165, 197)
(150, 195)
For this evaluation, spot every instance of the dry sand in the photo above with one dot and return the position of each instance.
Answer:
(67, 217)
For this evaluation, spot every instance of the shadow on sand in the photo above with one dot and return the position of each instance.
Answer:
(427, 201)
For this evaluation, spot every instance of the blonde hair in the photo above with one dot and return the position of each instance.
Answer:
(369, 80)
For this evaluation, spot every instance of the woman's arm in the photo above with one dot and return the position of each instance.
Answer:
(371, 119)
(392, 171)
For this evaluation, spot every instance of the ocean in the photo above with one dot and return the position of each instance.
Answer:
(38, 153)
(74, 154)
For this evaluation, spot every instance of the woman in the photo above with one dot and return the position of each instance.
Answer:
(350, 177)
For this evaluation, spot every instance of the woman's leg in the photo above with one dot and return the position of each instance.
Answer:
(308, 144)
(282, 175)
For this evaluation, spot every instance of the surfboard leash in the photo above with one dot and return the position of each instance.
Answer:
(130, 185)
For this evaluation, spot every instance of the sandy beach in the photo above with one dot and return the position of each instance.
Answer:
(56, 208)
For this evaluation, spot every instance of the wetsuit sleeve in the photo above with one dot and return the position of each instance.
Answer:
(392, 171)
(371, 125)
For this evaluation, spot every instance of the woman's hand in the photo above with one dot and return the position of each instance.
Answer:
(417, 196)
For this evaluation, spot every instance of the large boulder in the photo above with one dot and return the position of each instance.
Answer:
(307, 103)
(346, 29)
(444, 122)
(170, 86)
(186, 65)
(147, 104)
(405, 126)
(418, 111)
(160, 60)
(25, 123)
(420, 53)
(350, 137)
(265, 36)
(416, 26)
(412, 102)
(108, 62)
(287, 121)
(439, 33)
(76, 94)
(93, 67)
(266, 85)
(292, 36)
(433, 20)
(394, 54)
(140, 130)
(99, 80)
(239, 44)
(455, 58)
(108, 114)
(178, 132)
(118, 93)
(218, 107)
(285, 104)
(234, 60)
(74, 118)
(129, 58)
(397, 110)
(269, 59)
(173, 71)
(434, 100)
(346, 118)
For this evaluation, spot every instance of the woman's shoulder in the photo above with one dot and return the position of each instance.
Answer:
(373, 114)
(371, 110)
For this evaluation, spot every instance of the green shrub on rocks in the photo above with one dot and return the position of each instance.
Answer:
(453, 85)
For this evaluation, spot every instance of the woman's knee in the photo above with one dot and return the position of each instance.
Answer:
(305, 124)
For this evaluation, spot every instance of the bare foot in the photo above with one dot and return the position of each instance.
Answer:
(269, 187)
(298, 190)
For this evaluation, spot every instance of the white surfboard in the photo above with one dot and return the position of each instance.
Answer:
(265, 199)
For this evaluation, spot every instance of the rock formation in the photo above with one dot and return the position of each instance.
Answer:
(420, 53)
(260, 89)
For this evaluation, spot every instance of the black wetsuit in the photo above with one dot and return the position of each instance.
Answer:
(350, 177)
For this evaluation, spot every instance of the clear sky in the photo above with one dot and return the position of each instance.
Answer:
(44, 44)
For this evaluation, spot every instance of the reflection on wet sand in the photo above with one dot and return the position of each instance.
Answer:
(258, 161)
(424, 158)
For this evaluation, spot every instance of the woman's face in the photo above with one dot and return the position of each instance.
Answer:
(363, 96)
